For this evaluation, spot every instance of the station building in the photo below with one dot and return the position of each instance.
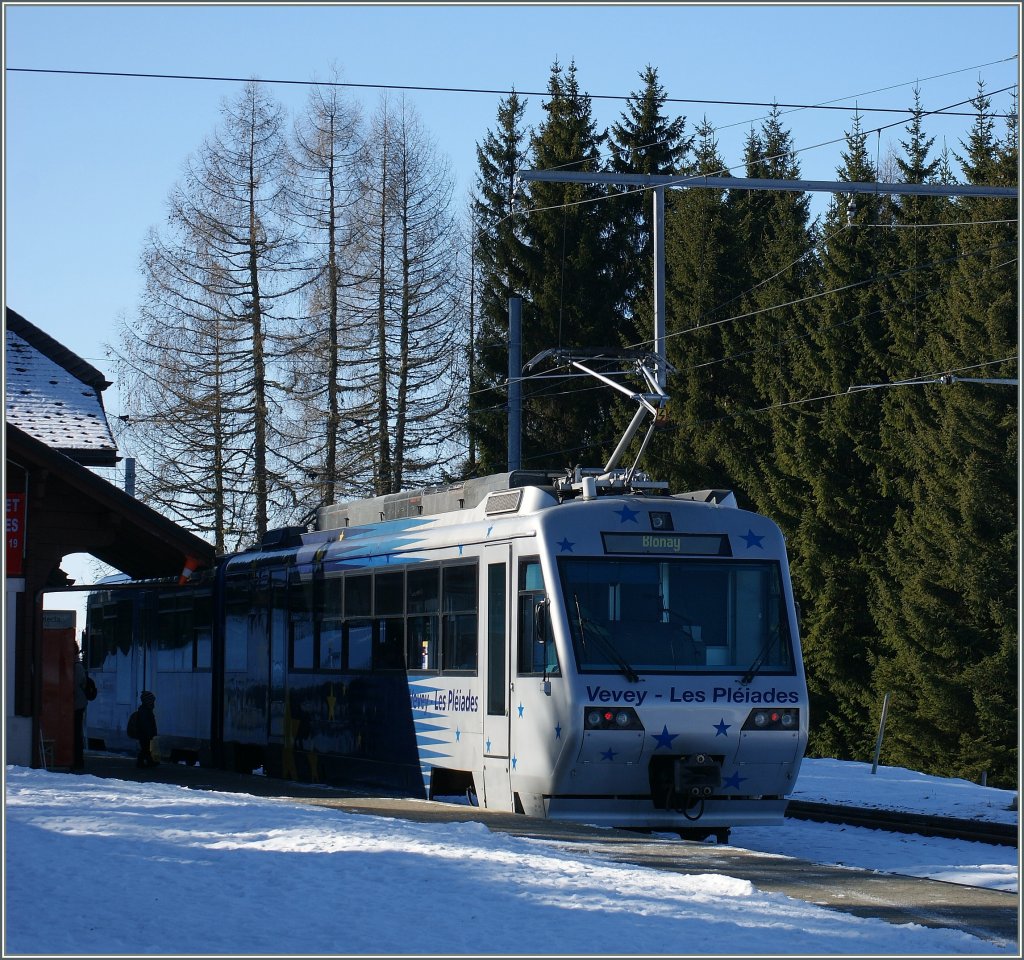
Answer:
(55, 431)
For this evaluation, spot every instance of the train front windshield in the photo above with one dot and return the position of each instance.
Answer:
(676, 616)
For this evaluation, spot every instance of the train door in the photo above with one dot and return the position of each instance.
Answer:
(495, 594)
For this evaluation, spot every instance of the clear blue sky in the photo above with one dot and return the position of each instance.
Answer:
(90, 161)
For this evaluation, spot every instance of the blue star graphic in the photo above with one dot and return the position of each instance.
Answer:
(721, 727)
(558, 731)
(458, 734)
(664, 738)
(752, 539)
(489, 529)
(608, 754)
(733, 781)
(488, 744)
(626, 514)
(515, 760)
(566, 545)
(520, 708)
(460, 549)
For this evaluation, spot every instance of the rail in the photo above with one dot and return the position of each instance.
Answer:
(925, 825)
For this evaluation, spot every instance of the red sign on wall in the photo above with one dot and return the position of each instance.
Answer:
(15, 534)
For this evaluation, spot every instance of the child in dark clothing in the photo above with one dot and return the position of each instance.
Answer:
(146, 729)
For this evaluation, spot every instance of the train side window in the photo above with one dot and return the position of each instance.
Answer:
(423, 590)
(360, 644)
(536, 654)
(204, 649)
(302, 645)
(358, 595)
(301, 635)
(202, 605)
(330, 645)
(460, 642)
(422, 603)
(389, 646)
(459, 583)
(459, 623)
(424, 649)
(530, 575)
(389, 594)
(331, 608)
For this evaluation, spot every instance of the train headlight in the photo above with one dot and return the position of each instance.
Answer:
(779, 718)
(661, 520)
(622, 718)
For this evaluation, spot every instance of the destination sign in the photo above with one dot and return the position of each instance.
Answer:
(673, 544)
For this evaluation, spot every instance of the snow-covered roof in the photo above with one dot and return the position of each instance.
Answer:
(55, 396)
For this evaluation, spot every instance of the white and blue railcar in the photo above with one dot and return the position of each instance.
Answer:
(580, 649)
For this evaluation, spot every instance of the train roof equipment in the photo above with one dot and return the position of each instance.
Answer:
(503, 491)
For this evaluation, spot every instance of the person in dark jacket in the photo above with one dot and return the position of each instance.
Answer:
(145, 730)
(81, 702)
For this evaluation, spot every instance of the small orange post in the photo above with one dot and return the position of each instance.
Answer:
(191, 565)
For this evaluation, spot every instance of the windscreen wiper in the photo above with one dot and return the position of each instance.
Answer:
(631, 675)
(762, 656)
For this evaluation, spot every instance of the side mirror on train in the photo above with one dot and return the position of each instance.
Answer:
(540, 620)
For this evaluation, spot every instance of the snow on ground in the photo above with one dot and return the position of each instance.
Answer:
(894, 788)
(100, 867)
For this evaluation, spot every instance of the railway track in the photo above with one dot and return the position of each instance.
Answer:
(1000, 834)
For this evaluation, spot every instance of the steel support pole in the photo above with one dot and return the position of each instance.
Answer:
(658, 232)
(515, 382)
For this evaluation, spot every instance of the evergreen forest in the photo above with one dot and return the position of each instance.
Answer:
(323, 319)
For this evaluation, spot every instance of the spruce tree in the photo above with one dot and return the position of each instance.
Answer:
(919, 264)
(497, 230)
(845, 516)
(761, 346)
(570, 297)
(701, 269)
(644, 141)
(947, 598)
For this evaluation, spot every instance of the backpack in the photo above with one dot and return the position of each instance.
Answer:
(89, 688)
(133, 725)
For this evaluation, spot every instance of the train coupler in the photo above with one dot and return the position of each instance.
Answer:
(696, 777)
